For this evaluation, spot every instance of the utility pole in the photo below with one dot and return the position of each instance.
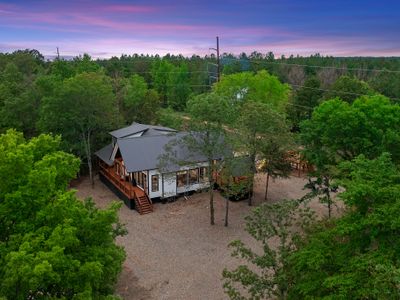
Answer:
(58, 54)
(218, 60)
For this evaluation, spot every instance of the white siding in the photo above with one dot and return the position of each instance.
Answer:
(167, 183)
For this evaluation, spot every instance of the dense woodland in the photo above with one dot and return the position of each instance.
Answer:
(342, 114)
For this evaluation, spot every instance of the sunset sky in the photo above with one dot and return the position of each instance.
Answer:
(111, 28)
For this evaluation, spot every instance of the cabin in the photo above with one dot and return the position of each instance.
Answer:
(130, 166)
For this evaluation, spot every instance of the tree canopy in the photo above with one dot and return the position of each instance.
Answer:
(339, 131)
(355, 256)
(260, 87)
(52, 245)
(82, 108)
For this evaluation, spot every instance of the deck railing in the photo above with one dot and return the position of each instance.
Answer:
(124, 186)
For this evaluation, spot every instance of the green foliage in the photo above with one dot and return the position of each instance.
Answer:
(266, 273)
(387, 84)
(348, 89)
(51, 244)
(206, 137)
(178, 88)
(356, 256)
(82, 109)
(304, 100)
(169, 118)
(262, 133)
(85, 64)
(160, 71)
(260, 87)
(340, 131)
(140, 104)
(62, 69)
(17, 108)
(135, 90)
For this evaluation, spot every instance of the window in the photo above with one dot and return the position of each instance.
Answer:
(203, 174)
(181, 178)
(193, 176)
(154, 183)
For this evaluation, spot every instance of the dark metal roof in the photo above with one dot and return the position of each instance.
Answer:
(105, 154)
(137, 127)
(149, 152)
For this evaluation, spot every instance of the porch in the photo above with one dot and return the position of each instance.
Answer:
(143, 203)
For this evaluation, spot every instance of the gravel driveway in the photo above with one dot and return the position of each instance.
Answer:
(173, 253)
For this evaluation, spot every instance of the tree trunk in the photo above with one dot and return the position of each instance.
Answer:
(266, 187)
(329, 205)
(328, 195)
(253, 175)
(86, 141)
(212, 222)
(226, 212)
(211, 180)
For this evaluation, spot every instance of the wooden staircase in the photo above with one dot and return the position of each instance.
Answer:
(143, 203)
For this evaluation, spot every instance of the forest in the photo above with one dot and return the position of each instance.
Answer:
(342, 114)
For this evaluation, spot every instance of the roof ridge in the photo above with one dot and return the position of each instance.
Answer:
(147, 136)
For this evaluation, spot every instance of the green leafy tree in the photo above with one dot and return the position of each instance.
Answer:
(170, 118)
(62, 69)
(348, 89)
(82, 109)
(274, 153)
(233, 180)
(355, 256)
(178, 91)
(260, 87)
(206, 137)
(304, 100)
(52, 245)
(341, 131)
(85, 64)
(261, 131)
(387, 84)
(18, 106)
(140, 104)
(208, 113)
(160, 72)
(266, 274)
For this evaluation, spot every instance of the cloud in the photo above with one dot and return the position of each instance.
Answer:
(106, 29)
(122, 8)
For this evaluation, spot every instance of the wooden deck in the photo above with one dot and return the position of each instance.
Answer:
(143, 203)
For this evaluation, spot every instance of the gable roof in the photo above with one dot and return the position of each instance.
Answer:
(143, 147)
(105, 154)
(136, 128)
(148, 152)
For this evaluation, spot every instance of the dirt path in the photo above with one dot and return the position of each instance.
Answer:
(173, 253)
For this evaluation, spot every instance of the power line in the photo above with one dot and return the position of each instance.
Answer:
(339, 92)
(169, 72)
(303, 106)
(315, 66)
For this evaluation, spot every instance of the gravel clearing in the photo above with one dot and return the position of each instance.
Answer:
(173, 253)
